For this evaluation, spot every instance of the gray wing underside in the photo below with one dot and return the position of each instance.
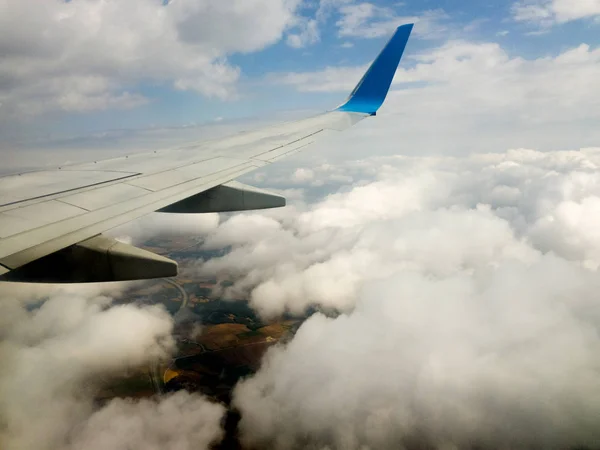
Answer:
(45, 212)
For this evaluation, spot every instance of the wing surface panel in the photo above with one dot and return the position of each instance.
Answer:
(28, 186)
(19, 249)
(26, 218)
(102, 197)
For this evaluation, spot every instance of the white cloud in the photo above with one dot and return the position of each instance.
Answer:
(303, 175)
(439, 216)
(354, 16)
(308, 34)
(363, 20)
(59, 344)
(465, 96)
(367, 20)
(165, 225)
(182, 421)
(330, 79)
(306, 30)
(455, 362)
(550, 12)
(88, 55)
(468, 290)
(328, 7)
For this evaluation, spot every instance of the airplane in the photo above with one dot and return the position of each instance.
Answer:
(51, 221)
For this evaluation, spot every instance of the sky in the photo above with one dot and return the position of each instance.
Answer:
(87, 67)
(450, 244)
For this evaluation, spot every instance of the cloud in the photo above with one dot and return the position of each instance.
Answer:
(363, 20)
(306, 30)
(467, 291)
(59, 343)
(465, 96)
(330, 79)
(462, 294)
(308, 34)
(183, 421)
(424, 362)
(165, 225)
(487, 209)
(367, 20)
(328, 7)
(89, 55)
(550, 12)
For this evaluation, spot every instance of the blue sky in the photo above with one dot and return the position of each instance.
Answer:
(133, 92)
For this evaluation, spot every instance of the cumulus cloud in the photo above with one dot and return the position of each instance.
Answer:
(367, 20)
(165, 225)
(364, 20)
(495, 79)
(89, 55)
(550, 12)
(330, 79)
(439, 215)
(463, 96)
(182, 421)
(506, 359)
(307, 34)
(58, 344)
(465, 292)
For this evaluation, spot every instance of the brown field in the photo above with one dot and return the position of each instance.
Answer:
(221, 336)
(134, 383)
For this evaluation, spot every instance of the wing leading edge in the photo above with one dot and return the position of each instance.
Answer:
(51, 222)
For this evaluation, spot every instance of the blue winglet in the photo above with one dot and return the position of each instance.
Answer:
(370, 92)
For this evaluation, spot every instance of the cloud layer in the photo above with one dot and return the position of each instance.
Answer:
(59, 344)
(463, 96)
(468, 291)
(506, 359)
(90, 55)
(550, 12)
(437, 215)
(467, 288)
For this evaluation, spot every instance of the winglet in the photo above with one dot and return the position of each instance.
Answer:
(370, 92)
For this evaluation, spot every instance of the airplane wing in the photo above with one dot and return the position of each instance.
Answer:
(51, 221)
